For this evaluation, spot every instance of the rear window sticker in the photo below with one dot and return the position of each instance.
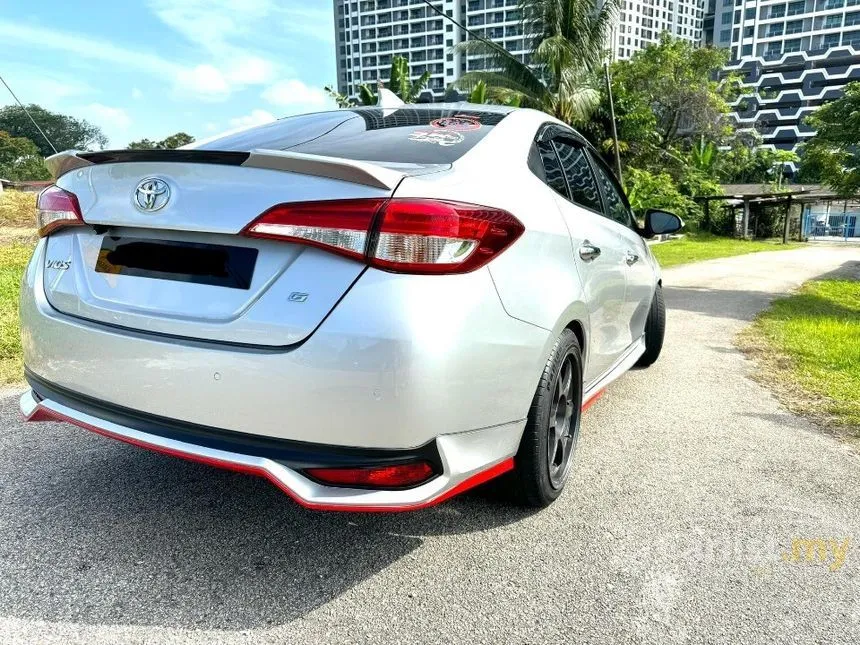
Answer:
(439, 136)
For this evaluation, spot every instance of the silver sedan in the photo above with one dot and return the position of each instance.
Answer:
(374, 308)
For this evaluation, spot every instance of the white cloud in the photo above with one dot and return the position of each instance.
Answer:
(293, 92)
(223, 29)
(250, 70)
(211, 127)
(88, 48)
(256, 117)
(136, 93)
(204, 80)
(110, 117)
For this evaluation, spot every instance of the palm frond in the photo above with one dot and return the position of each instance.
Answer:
(520, 76)
(497, 81)
(366, 95)
(416, 87)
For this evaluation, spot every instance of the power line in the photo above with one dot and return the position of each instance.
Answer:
(30, 116)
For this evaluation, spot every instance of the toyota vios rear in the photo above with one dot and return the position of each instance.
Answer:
(373, 308)
(282, 314)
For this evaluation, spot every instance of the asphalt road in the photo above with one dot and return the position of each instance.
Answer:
(690, 484)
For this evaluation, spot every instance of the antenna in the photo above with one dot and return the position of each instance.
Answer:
(474, 35)
(29, 116)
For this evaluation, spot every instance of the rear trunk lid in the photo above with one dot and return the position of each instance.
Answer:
(182, 269)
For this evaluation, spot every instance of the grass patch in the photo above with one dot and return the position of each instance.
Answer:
(13, 260)
(17, 209)
(702, 246)
(808, 346)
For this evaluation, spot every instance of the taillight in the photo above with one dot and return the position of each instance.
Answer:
(400, 235)
(399, 476)
(57, 208)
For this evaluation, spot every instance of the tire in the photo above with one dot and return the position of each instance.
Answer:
(554, 417)
(655, 330)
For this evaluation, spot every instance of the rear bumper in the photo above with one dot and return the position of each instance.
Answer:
(463, 460)
(398, 362)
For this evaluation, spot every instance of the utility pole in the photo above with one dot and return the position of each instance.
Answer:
(612, 116)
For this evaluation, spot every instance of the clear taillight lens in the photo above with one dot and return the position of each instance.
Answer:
(57, 208)
(400, 235)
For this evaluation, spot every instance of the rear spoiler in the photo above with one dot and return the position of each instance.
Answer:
(356, 172)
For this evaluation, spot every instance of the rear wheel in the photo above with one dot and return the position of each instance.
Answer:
(655, 330)
(546, 450)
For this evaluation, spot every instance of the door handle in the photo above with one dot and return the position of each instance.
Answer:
(588, 251)
(631, 258)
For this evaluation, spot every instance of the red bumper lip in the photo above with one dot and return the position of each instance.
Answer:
(42, 413)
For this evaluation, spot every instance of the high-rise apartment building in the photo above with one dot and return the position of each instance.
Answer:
(717, 28)
(368, 33)
(641, 22)
(794, 55)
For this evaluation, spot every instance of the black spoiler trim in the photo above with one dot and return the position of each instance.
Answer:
(178, 156)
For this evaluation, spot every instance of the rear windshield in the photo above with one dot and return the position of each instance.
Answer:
(403, 135)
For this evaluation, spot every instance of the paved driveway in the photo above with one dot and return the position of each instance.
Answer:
(691, 483)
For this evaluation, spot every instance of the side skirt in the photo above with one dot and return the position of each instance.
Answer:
(628, 359)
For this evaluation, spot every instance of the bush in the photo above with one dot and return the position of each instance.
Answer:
(17, 209)
(658, 190)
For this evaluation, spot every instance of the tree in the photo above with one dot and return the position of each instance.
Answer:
(657, 190)
(20, 159)
(66, 132)
(399, 82)
(668, 99)
(834, 151)
(176, 140)
(747, 162)
(168, 143)
(341, 100)
(565, 52)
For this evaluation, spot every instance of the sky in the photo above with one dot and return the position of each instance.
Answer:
(150, 68)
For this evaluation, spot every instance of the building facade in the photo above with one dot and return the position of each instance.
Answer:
(368, 33)
(641, 22)
(793, 56)
(717, 24)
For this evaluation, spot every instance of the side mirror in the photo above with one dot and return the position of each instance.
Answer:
(659, 222)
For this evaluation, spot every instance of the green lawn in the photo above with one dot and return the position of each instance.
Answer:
(694, 248)
(809, 344)
(13, 259)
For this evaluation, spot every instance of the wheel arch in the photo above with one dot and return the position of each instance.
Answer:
(575, 318)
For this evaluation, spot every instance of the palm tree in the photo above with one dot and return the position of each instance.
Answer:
(703, 155)
(568, 39)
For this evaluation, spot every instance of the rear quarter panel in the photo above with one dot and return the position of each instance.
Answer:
(536, 278)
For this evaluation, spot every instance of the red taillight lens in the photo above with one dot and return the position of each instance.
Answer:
(428, 236)
(57, 208)
(342, 226)
(382, 477)
(401, 235)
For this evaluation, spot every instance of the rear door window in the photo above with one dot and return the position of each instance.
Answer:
(419, 135)
(552, 170)
(615, 203)
(580, 178)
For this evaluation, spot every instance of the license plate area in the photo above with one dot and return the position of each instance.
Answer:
(195, 262)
